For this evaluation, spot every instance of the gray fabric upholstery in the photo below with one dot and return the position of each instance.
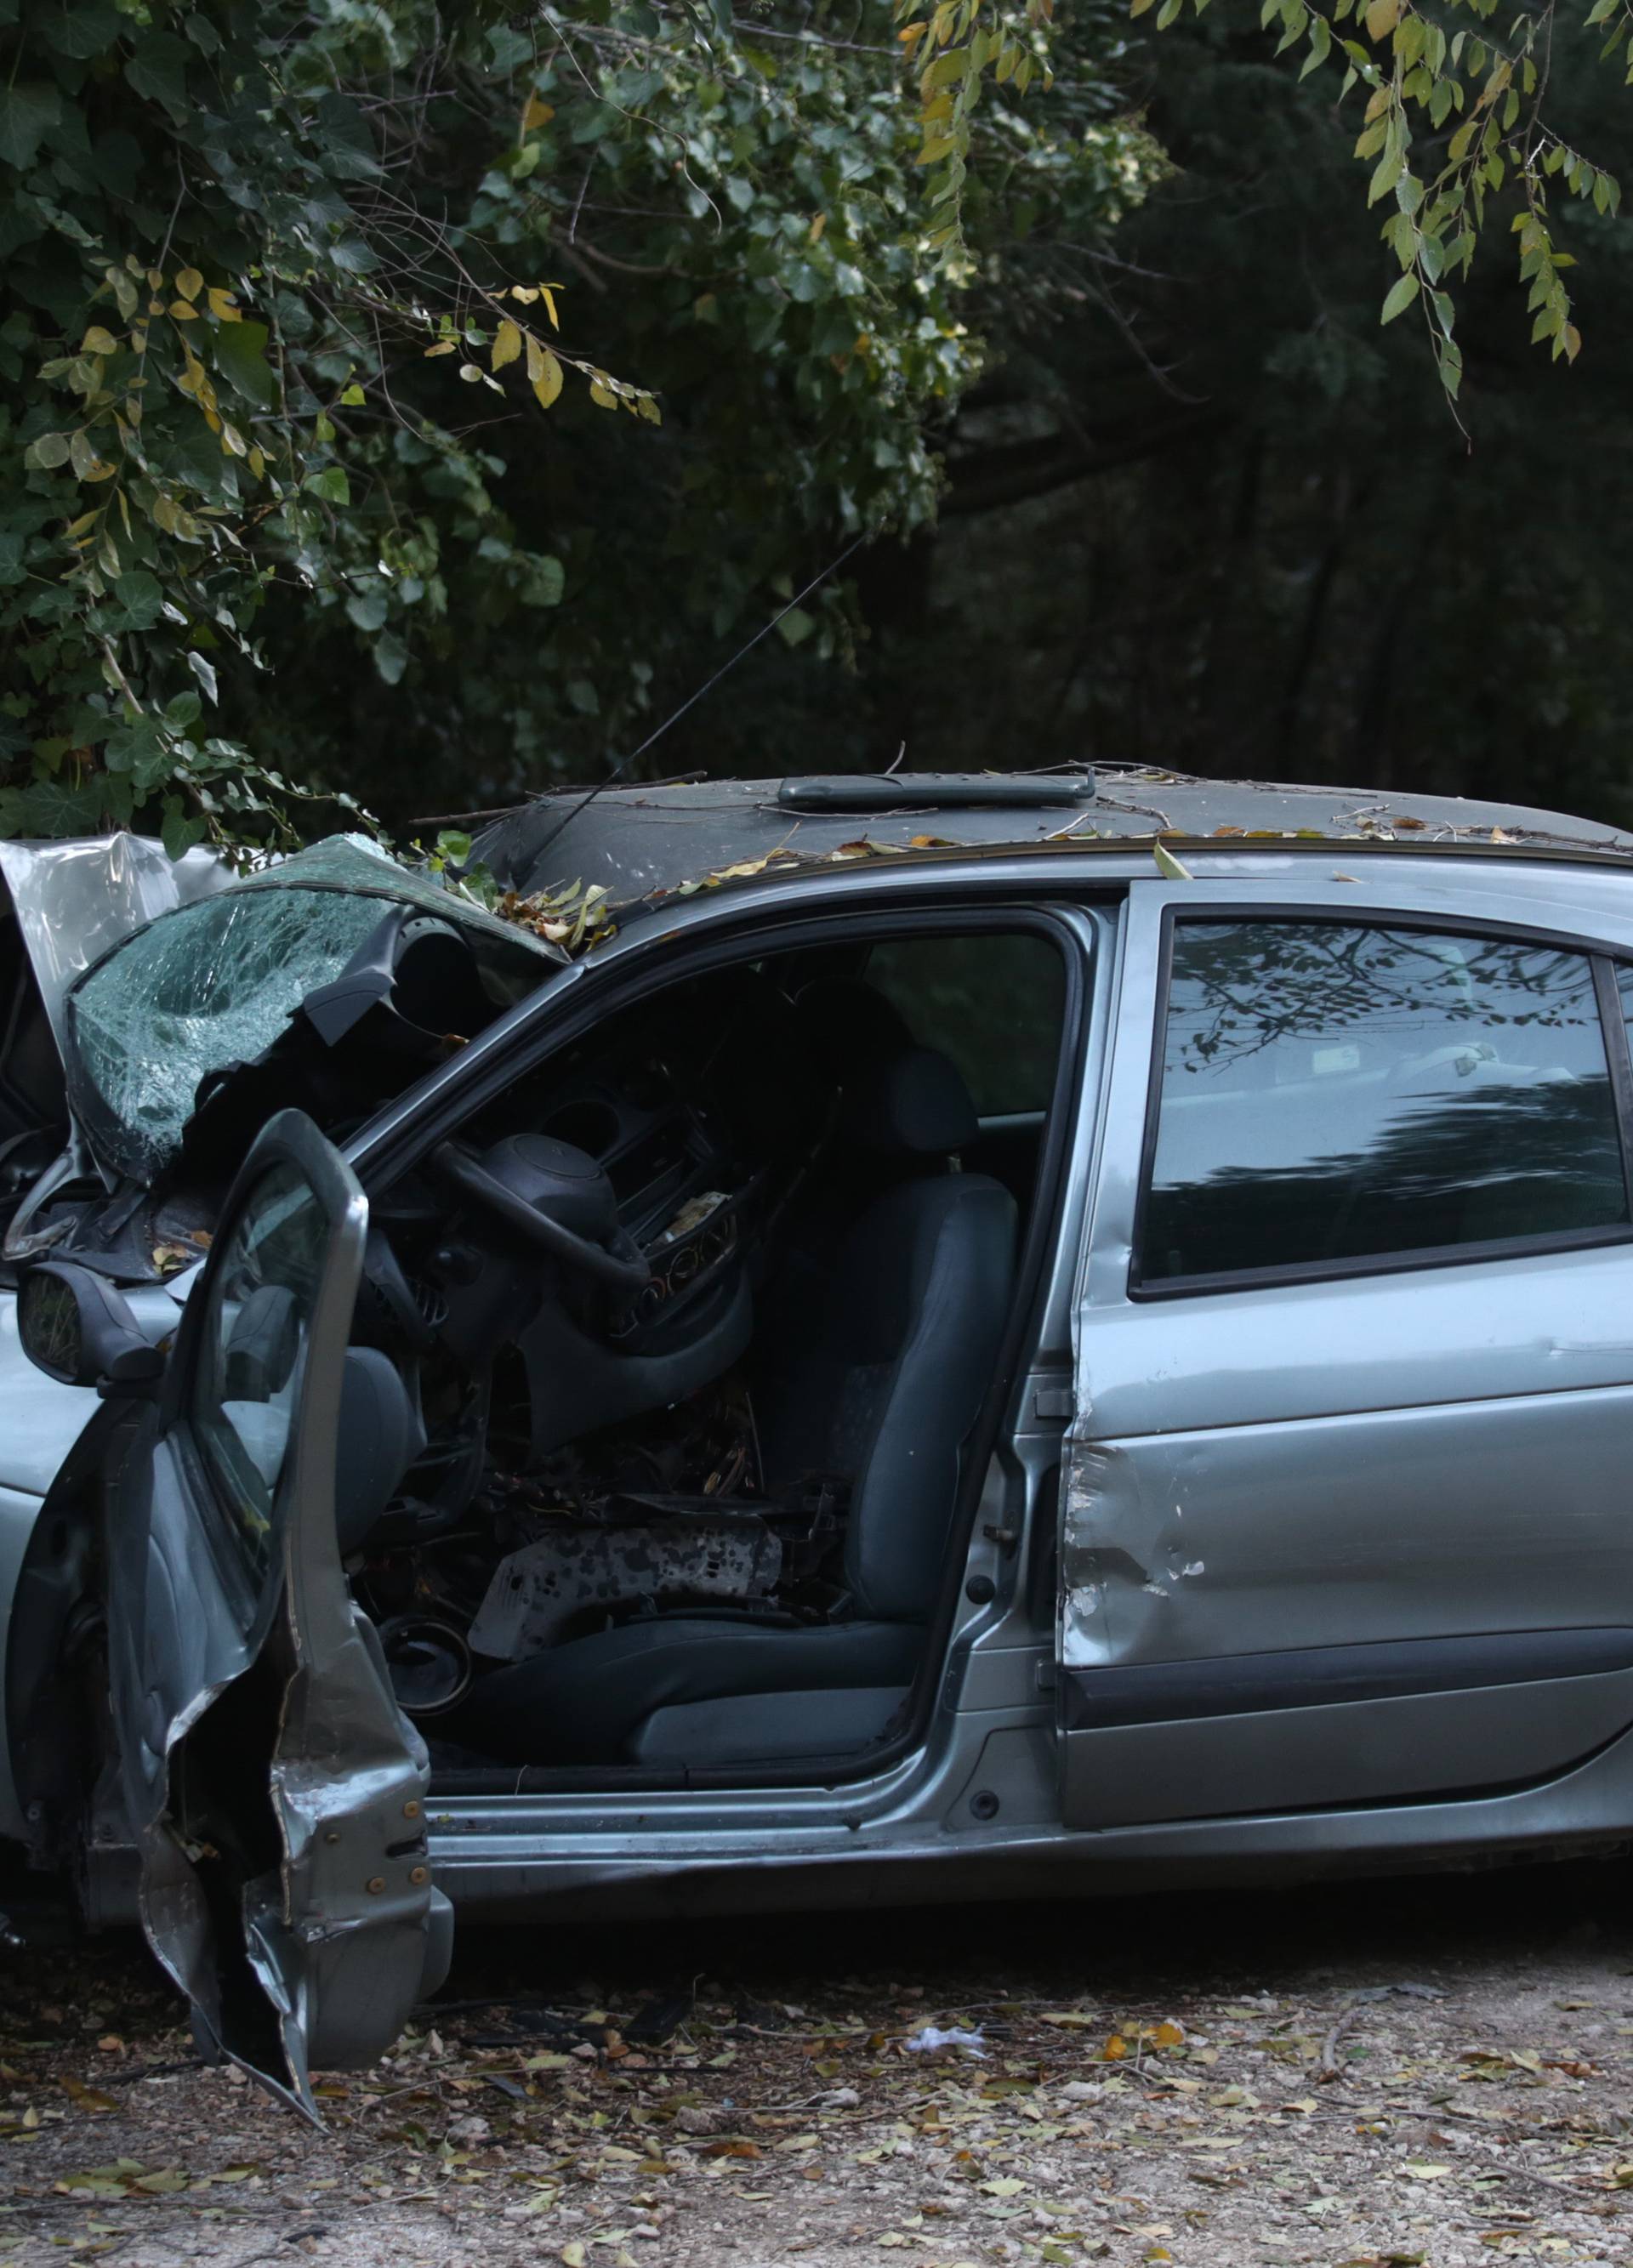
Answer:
(916, 1103)
(582, 1702)
(888, 1376)
(842, 1023)
(778, 1726)
(379, 1436)
(877, 1377)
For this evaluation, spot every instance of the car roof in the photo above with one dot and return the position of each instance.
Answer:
(641, 842)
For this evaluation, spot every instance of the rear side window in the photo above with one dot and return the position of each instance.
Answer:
(1331, 1094)
(993, 1001)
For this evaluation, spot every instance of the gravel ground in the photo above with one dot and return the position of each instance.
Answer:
(1437, 2072)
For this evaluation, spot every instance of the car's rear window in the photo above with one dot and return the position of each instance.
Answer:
(1333, 1091)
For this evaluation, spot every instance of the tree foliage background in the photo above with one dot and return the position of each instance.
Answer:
(413, 405)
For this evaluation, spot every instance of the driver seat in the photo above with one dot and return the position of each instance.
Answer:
(878, 1378)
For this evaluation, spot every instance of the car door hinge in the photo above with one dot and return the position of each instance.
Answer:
(1053, 1402)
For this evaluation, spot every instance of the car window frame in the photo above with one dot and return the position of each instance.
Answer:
(254, 1601)
(646, 961)
(1603, 960)
(208, 1444)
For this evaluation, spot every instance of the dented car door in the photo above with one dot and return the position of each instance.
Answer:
(275, 1790)
(1345, 1516)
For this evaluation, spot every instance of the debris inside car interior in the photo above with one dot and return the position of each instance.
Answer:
(698, 1512)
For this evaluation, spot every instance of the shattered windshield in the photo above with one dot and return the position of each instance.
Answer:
(215, 984)
(210, 984)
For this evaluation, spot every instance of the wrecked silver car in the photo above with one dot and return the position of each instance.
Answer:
(1031, 1334)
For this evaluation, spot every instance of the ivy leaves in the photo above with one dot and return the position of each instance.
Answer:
(27, 112)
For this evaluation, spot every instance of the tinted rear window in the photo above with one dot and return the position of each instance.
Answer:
(1333, 1092)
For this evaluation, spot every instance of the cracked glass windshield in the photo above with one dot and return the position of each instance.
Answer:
(211, 984)
(214, 983)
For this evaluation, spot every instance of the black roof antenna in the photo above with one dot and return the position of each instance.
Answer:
(707, 686)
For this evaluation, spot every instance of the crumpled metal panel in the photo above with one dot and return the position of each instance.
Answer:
(343, 1968)
(338, 1972)
(1129, 1569)
(539, 1592)
(75, 900)
(314, 1768)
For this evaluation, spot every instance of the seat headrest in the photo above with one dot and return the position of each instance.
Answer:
(843, 1024)
(915, 1101)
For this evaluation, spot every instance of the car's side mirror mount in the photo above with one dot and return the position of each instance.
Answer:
(77, 1328)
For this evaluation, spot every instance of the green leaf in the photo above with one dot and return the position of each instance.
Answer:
(180, 829)
(1399, 299)
(366, 608)
(543, 583)
(82, 29)
(142, 751)
(52, 806)
(1320, 44)
(49, 452)
(239, 350)
(1391, 167)
(135, 604)
(331, 484)
(28, 113)
(948, 68)
(159, 70)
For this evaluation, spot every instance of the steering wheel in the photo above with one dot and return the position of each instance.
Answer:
(621, 1270)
